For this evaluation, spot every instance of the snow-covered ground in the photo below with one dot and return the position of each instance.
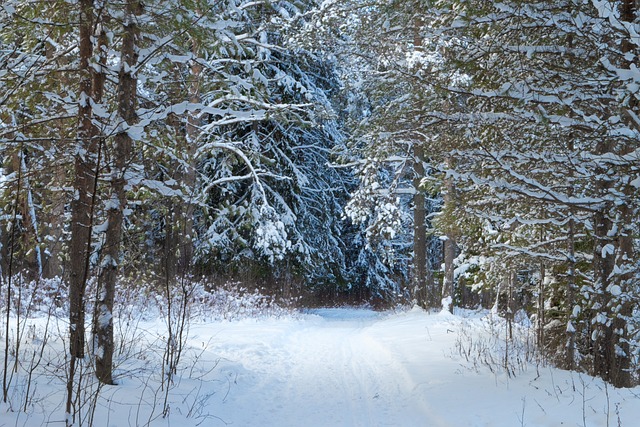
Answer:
(326, 367)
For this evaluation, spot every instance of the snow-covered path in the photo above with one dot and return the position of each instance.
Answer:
(332, 370)
(347, 367)
(328, 368)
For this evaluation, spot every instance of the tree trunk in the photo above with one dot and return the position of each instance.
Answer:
(84, 187)
(613, 255)
(450, 249)
(55, 226)
(447, 285)
(31, 235)
(420, 292)
(540, 309)
(423, 281)
(570, 300)
(127, 94)
(179, 230)
(622, 307)
(603, 262)
(194, 122)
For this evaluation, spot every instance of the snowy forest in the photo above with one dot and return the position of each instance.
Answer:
(437, 154)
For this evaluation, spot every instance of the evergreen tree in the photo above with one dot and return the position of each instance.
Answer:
(543, 123)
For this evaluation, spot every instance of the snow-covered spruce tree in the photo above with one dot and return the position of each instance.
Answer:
(272, 198)
(553, 141)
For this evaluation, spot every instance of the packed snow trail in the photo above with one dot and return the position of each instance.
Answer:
(359, 368)
(334, 369)
(323, 368)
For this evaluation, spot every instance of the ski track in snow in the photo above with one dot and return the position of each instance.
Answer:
(334, 368)
(358, 368)
(333, 371)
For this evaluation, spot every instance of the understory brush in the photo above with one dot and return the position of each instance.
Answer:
(151, 333)
(499, 345)
(229, 301)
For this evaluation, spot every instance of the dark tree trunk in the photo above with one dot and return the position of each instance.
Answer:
(179, 224)
(87, 162)
(625, 255)
(540, 309)
(570, 300)
(84, 186)
(194, 122)
(611, 346)
(127, 94)
(603, 262)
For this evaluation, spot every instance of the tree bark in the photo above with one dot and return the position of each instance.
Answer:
(423, 281)
(447, 285)
(540, 309)
(611, 266)
(179, 228)
(570, 300)
(603, 262)
(83, 185)
(420, 293)
(625, 251)
(126, 99)
(450, 249)
(194, 122)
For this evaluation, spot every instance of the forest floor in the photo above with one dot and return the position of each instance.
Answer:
(326, 367)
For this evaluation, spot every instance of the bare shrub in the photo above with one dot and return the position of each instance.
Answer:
(489, 343)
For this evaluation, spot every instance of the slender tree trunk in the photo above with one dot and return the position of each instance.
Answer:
(450, 249)
(179, 225)
(11, 257)
(194, 122)
(622, 307)
(570, 301)
(603, 267)
(54, 228)
(613, 254)
(447, 286)
(172, 213)
(423, 281)
(540, 309)
(622, 310)
(570, 295)
(421, 293)
(603, 262)
(83, 185)
(31, 235)
(127, 94)
(85, 181)
(511, 304)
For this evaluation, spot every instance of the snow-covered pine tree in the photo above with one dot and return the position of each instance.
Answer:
(550, 153)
